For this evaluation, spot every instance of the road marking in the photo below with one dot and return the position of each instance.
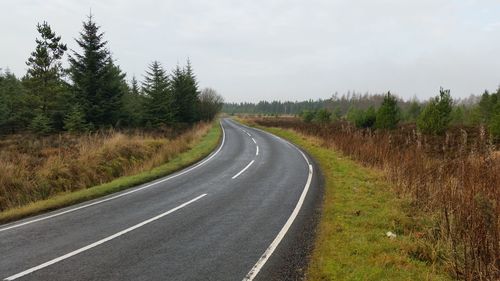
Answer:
(269, 251)
(122, 194)
(102, 241)
(245, 131)
(257, 151)
(254, 141)
(241, 172)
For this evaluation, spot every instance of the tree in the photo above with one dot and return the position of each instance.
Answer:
(159, 99)
(75, 121)
(486, 106)
(15, 110)
(494, 125)
(322, 116)
(97, 82)
(307, 116)
(210, 104)
(185, 94)
(133, 105)
(436, 116)
(44, 77)
(388, 113)
(494, 120)
(413, 111)
(41, 124)
(367, 118)
(362, 118)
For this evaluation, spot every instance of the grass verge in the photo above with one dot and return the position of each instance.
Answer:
(359, 208)
(197, 152)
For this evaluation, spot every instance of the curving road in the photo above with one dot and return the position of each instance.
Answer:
(246, 212)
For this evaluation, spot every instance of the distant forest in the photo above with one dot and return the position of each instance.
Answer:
(387, 111)
(93, 92)
(340, 104)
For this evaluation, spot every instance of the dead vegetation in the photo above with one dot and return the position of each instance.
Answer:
(453, 179)
(34, 168)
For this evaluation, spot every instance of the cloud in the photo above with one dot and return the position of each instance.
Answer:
(251, 50)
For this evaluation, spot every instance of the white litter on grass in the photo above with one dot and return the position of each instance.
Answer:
(391, 235)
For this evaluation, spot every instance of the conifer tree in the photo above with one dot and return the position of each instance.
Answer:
(133, 105)
(44, 78)
(15, 107)
(185, 93)
(134, 87)
(75, 122)
(97, 81)
(159, 108)
(436, 116)
(388, 113)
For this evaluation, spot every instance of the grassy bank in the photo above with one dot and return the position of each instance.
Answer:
(118, 161)
(359, 208)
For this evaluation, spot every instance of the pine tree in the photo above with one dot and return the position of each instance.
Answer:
(388, 113)
(43, 79)
(97, 82)
(41, 124)
(185, 93)
(135, 87)
(15, 106)
(436, 116)
(133, 105)
(75, 121)
(158, 97)
(413, 110)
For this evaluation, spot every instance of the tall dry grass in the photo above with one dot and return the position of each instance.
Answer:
(33, 168)
(453, 178)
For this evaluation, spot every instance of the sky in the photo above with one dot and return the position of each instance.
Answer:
(284, 49)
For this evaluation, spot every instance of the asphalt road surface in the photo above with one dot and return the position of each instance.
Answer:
(246, 212)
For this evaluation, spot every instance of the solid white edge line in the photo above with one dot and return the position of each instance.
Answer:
(241, 172)
(270, 250)
(102, 241)
(125, 193)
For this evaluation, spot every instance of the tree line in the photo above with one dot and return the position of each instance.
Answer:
(93, 93)
(386, 111)
(338, 104)
(432, 117)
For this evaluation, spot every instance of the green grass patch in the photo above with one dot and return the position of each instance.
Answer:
(359, 208)
(197, 152)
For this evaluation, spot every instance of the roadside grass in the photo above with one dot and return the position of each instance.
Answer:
(197, 150)
(359, 208)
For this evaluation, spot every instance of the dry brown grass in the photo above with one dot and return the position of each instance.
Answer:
(454, 179)
(33, 168)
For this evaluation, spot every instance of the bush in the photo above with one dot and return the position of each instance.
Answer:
(41, 124)
(436, 116)
(362, 118)
(75, 121)
(322, 116)
(388, 113)
(307, 116)
(494, 125)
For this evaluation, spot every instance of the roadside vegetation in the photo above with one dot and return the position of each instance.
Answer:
(448, 174)
(359, 209)
(37, 175)
(69, 129)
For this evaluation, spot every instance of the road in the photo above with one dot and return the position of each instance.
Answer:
(246, 212)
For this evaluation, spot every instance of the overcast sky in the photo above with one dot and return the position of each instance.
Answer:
(286, 50)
